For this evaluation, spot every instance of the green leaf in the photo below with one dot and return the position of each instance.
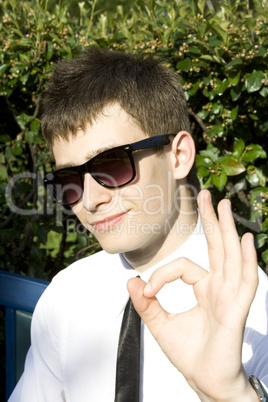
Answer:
(253, 116)
(29, 137)
(233, 63)
(3, 68)
(203, 114)
(239, 148)
(223, 87)
(254, 82)
(231, 166)
(25, 42)
(194, 88)
(194, 50)
(254, 151)
(258, 191)
(49, 50)
(206, 57)
(201, 5)
(261, 176)
(35, 125)
(234, 113)
(81, 240)
(25, 56)
(208, 182)
(216, 108)
(8, 153)
(264, 225)
(207, 79)
(203, 160)
(17, 31)
(202, 171)
(200, 63)
(184, 65)
(167, 34)
(17, 149)
(255, 176)
(209, 94)
(215, 42)
(261, 239)
(211, 151)
(265, 256)
(23, 119)
(220, 32)
(235, 93)
(220, 180)
(3, 173)
(262, 52)
(24, 78)
(264, 92)
(217, 130)
(234, 78)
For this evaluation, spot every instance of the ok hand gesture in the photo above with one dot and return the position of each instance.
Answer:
(205, 343)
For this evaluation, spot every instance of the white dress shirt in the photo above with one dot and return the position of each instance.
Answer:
(76, 324)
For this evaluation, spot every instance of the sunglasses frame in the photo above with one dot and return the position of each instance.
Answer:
(151, 142)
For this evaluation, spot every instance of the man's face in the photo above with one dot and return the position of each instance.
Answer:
(134, 217)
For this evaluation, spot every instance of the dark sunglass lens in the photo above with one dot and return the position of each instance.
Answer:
(112, 168)
(68, 186)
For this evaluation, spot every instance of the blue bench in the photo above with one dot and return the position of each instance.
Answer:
(19, 295)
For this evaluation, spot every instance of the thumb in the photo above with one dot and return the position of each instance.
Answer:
(149, 308)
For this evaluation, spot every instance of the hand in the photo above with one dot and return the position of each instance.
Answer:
(205, 343)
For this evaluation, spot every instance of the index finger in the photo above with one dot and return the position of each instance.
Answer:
(181, 268)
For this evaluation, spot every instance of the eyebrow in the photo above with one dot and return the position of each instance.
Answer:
(89, 156)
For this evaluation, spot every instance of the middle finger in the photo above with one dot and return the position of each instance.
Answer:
(212, 231)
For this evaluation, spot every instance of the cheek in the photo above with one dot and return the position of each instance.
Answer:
(78, 209)
(130, 195)
(159, 194)
(155, 200)
(153, 190)
(150, 199)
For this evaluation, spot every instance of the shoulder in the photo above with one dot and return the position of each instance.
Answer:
(97, 273)
(80, 275)
(86, 282)
(94, 265)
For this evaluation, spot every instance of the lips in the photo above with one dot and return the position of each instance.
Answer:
(109, 222)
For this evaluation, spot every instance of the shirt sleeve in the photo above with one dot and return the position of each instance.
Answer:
(42, 377)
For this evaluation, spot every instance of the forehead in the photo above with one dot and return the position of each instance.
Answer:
(112, 128)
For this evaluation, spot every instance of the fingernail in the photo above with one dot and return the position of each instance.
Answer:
(229, 206)
(202, 198)
(208, 195)
(147, 289)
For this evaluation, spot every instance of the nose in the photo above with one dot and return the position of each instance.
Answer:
(95, 196)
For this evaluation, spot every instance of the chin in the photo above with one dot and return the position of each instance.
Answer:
(124, 243)
(114, 248)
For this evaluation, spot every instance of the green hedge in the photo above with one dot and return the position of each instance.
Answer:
(220, 52)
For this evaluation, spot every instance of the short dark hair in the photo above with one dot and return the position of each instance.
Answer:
(141, 84)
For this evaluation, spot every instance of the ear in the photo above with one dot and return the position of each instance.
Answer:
(183, 150)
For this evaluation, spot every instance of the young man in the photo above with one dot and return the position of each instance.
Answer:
(139, 201)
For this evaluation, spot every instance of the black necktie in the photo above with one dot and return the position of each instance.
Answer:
(128, 357)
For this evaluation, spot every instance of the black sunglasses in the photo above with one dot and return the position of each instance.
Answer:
(112, 169)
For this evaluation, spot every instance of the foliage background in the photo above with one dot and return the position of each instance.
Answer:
(220, 52)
